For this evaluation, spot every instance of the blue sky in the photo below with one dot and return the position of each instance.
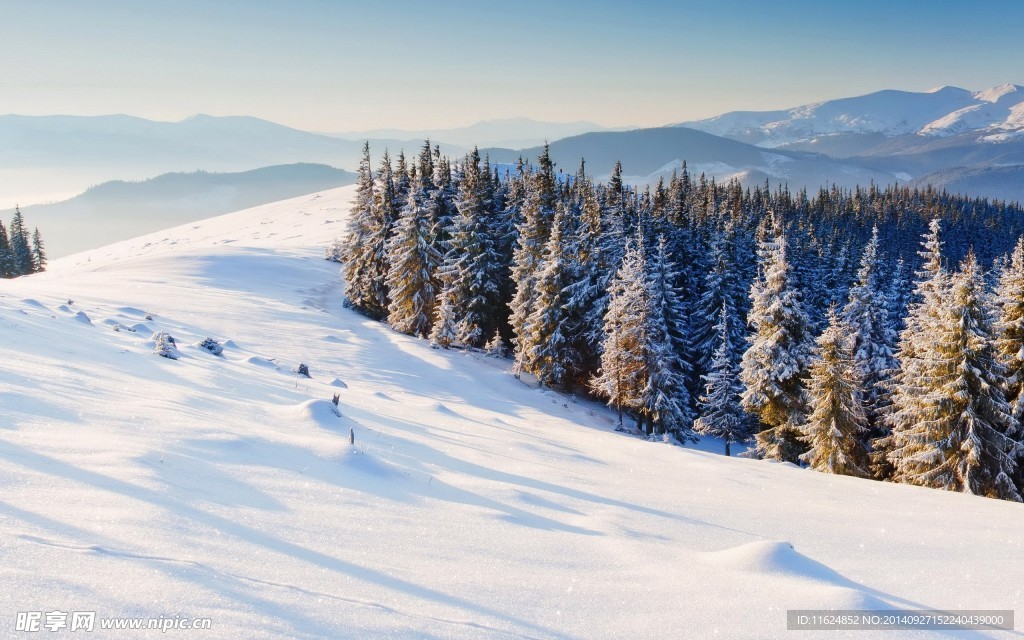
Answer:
(338, 65)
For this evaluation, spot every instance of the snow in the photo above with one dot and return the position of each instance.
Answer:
(999, 109)
(942, 111)
(471, 505)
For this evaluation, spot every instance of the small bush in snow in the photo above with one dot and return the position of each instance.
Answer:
(336, 251)
(303, 370)
(164, 345)
(211, 345)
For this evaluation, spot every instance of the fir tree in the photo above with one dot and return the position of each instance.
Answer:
(7, 269)
(622, 375)
(1010, 330)
(866, 316)
(720, 413)
(920, 339)
(962, 438)
(443, 332)
(775, 364)
(588, 276)
(665, 398)
(837, 424)
(495, 347)
(723, 287)
(413, 263)
(361, 254)
(551, 355)
(21, 250)
(38, 252)
(472, 263)
(533, 232)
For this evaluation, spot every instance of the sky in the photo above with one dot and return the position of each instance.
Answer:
(333, 66)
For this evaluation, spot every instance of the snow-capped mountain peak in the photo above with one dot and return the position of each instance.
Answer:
(997, 112)
(996, 94)
(941, 111)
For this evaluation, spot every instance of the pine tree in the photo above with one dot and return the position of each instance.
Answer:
(623, 364)
(665, 398)
(21, 250)
(1010, 330)
(588, 276)
(443, 332)
(362, 251)
(7, 269)
(837, 424)
(413, 263)
(472, 263)
(775, 364)
(722, 286)
(920, 339)
(720, 413)
(38, 252)
(963, 437)
(866, 316)
(533, 232)
(495, 347)
(551, 355)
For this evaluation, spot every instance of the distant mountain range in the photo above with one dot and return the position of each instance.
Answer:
(993, 115)
(515, 133)
(46, 158)
(963, 141)
(650, 154)
(119, 210)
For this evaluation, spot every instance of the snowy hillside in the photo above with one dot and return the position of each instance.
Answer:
(998, 111)
(470, 506)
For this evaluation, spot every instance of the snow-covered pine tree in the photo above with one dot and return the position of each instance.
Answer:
(472, 264)
(532, 236)
(720, 413)
(6, 256)
(774, 365)
(874, 340)
(551, 355)
(962, 439)
(495, 347)
(587, 291)
(920, 339)
(443, 334)
(21, 250)
(1010, 330)
(898, 296)
(38, 252)
(362, 280)
(413, 263)
(622, 378)
(836, 428)
(665, 398)
(722, 286)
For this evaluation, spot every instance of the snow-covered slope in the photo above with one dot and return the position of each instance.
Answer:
(470, 506)
(998, 111)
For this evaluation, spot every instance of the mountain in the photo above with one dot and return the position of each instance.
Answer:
(120, 209)
(962, 140)
(58, 156)
(470, 506)
(649, 154)
(1003, 183)
(994, 115)
(515, 133)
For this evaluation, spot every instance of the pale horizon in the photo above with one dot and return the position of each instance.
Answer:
(336, 67)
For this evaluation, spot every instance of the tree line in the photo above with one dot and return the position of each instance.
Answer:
(21, 253)
(813, 324)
